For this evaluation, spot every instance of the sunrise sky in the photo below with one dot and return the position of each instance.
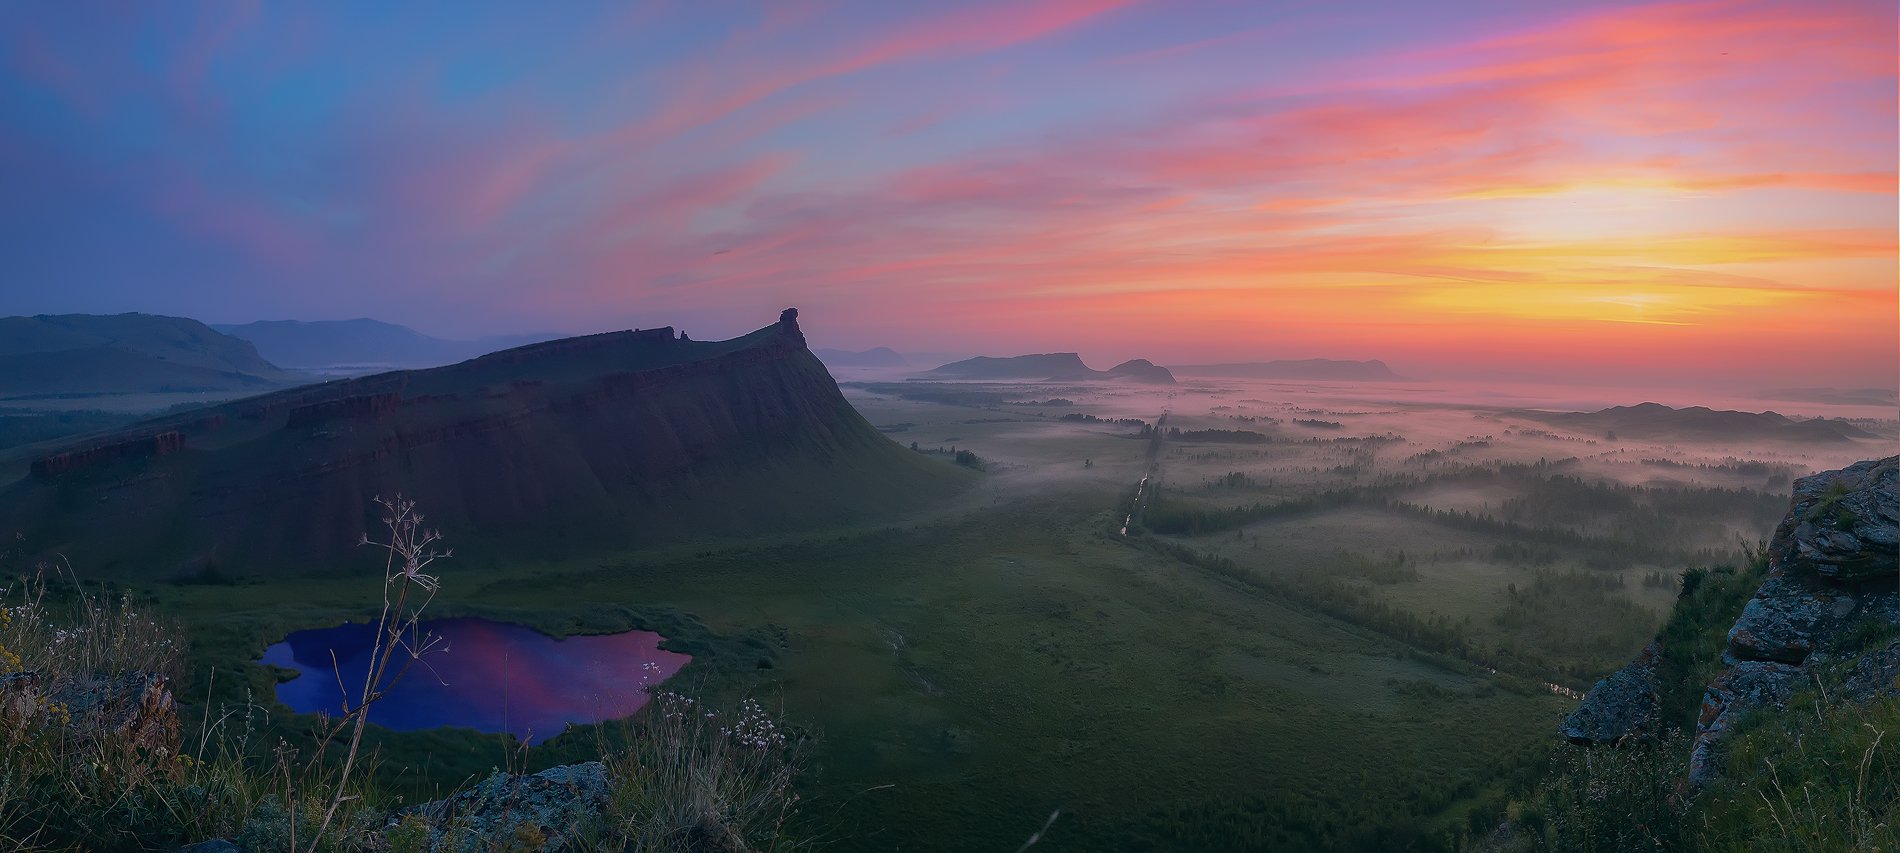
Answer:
(1699, 190)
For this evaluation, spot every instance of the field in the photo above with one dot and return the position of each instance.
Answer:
(1315, 636)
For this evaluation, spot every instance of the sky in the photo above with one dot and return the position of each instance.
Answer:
(1702, 191)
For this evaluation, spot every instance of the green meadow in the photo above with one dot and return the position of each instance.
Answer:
(1333, 639)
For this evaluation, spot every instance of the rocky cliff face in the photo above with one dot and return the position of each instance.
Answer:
(610, 440)
(1825, 615)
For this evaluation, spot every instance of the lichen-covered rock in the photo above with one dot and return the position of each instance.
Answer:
(1741, 688)
(1833, 581)
(1874, 672)
(1780, 623)
(1844, 525)
(554, 809)
(1623, 705)
(134, 709)
(215, 845)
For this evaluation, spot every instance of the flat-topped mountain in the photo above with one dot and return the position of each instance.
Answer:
(604, 441)
(1053, 366)
(340, 343)
(1305, 368)
(875, 357)
(1655, 420)
(89, 355)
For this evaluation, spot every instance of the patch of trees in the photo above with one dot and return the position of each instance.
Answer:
(1082, 418)
(1231, 436)
(1318, 424)
(1052, 401)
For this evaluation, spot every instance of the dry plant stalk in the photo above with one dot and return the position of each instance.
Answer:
(407, 592)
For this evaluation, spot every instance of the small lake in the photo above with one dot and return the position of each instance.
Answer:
(485, 675)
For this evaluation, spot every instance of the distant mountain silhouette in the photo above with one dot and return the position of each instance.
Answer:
(1305, 368)
(1657, 421)
(341, 343)
(98, 355)
(1141, 370)
(586, 444)
(878, 357)
(1054, 366)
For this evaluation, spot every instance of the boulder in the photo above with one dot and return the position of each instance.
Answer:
(1844, 525)
(215, 845)
(1744, 687)
(559, 804)
(1625, 704)
(133, 709)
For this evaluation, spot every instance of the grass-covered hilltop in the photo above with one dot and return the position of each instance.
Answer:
(1098, 614)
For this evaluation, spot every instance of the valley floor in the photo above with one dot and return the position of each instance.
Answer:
(1238, 673)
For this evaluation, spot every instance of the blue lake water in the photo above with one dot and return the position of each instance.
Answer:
(485, 675)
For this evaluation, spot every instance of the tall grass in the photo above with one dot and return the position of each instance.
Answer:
(689, 777)
(94, 755)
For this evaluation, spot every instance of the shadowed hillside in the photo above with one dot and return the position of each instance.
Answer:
(335, 343)
(86, 355)
(605, 441)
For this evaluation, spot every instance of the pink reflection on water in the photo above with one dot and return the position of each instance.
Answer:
(488, 676)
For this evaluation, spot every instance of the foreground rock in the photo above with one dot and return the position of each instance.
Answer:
(557, 808)
(1833, 585)
(130, 711)
(1624, 705)
(1827, 615)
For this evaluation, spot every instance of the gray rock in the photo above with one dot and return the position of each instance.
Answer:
(1625, 704)
(1844, 525)
(135, 709)
(1741, 688)
(1833, 577)
(562, 803)
(1873, 673)
(215, 845)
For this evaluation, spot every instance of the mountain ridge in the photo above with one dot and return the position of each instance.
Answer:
(1050, 366)
(598, 442)
(81, 355)
(362, 341)
(1655, 420)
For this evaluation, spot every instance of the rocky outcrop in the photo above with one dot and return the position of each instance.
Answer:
(367, 406)
(603, 442)
(130, 711)
(1833, 582)
(1826, 615)
(142, 447)
(1843, 525)
(560, 806)
(1626, 704)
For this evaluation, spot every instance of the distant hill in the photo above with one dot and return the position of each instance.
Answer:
(878, 357)
(1305, 368)
(342, 343)
(85, 355)
(1657, 421)
(582, 445)
(1141, 370)
(1055, 366)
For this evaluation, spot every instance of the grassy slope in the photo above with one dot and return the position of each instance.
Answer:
(970, 674)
